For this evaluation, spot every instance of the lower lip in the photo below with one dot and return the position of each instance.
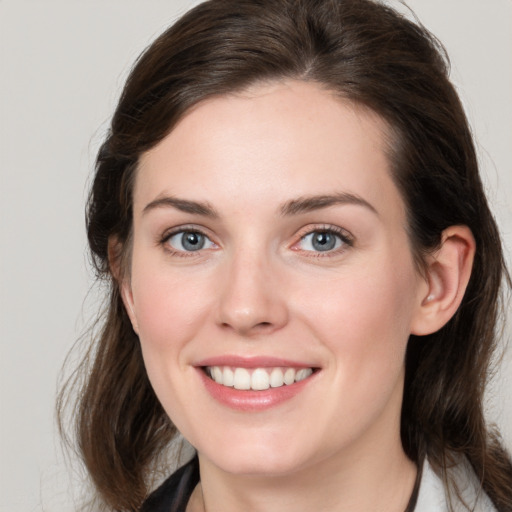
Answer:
(252, 400)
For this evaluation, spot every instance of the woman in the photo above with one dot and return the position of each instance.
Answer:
(304, 271)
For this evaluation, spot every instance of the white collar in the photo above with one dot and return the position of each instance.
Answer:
(432, 494)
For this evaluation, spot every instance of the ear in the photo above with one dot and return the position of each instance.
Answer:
(115, 252)
(448, 272)
(125, 290)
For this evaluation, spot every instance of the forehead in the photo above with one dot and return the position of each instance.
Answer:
(272, 141)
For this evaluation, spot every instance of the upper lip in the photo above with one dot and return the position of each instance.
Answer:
(252, 362)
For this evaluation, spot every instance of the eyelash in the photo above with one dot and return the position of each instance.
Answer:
(164, 241)
(344, 237)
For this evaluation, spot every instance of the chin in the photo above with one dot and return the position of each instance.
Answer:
(260, 459)
(263, 466)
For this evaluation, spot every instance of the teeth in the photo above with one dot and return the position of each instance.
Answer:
(258, 379)
(228, 377)
(242, 379)
(276, 378)
(289, 376)
(302, 374)
(217, 374)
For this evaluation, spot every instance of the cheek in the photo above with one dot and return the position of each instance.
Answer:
(366, 321)
(170, 310)
(169, 306)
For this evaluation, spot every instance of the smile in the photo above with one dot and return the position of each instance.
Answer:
(257, 379)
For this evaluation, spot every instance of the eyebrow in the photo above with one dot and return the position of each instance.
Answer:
(292, 207)
(184, 205)
(312, 203)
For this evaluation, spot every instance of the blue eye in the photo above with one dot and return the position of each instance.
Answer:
(321, 241)
(189, 241)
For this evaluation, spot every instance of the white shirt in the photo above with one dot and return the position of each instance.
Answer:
(432, 495)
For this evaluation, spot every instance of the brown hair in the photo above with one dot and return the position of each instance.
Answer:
(370, 55)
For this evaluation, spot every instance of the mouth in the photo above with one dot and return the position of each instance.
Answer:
(256, 379)
(255, 384)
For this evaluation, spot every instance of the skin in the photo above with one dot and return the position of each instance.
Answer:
(259, 288)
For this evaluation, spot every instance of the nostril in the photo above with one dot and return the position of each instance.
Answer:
(256, 327)
(263, 326)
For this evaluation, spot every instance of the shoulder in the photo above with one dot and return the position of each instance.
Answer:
(174, 493)
(433, 497)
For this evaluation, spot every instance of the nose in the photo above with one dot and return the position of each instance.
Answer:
(251, 300)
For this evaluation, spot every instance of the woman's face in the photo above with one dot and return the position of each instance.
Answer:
(270, 252)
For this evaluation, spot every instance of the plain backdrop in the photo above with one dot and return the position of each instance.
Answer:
(62, 64)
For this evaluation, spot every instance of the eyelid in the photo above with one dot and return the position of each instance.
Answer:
(345, 236)
(188, 228)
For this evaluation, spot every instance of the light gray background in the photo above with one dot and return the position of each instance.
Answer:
(62, 64)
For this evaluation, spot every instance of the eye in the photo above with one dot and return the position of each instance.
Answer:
(189, 241)
(323, 241)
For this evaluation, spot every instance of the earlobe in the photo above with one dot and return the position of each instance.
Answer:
(448, 272)
(127, 298)
(114, 259)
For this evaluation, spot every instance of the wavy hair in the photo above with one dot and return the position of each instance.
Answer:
(368, 54)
